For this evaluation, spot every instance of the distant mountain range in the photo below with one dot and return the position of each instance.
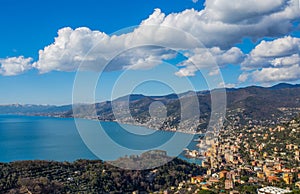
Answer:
(253, 102)
(31, 109)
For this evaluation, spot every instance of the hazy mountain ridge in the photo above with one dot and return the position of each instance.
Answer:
(33, 109)
(259, 103)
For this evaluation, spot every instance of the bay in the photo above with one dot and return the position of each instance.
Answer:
(60, 139)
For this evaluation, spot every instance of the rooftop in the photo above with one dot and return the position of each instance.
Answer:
(273, 190)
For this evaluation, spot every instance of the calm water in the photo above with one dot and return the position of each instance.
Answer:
(29, 138)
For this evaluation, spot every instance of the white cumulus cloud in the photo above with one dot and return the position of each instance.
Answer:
(92, 50)
(225, 85)
(241, 11)
(15, 65)
(202, 58)
(280, 52)
(243, 77)
(219, 26)
(274, 61)
(266, 75)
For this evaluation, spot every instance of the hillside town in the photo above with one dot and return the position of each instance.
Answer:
(254, 158)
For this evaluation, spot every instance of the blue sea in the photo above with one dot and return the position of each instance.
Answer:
(63, 139)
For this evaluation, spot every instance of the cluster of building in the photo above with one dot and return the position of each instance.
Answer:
(252, 155)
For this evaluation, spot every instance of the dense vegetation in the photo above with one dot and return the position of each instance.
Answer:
(84, 176)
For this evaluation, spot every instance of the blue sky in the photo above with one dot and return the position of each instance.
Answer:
(241, 42)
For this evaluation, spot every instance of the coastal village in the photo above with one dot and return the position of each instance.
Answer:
(246, 155)
(259, 157)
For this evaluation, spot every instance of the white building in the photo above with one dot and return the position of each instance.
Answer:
(272, 190)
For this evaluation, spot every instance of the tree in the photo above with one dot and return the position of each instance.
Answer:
(205, 192)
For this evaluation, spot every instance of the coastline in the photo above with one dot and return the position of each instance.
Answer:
(138, 125)
(15, 155)
(94, 119)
